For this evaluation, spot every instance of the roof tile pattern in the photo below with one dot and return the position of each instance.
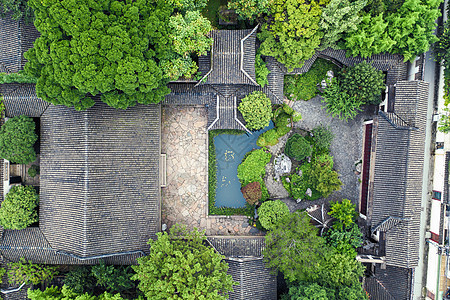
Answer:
(98, 195)
(21, 99)
(392, 283)
(397, 183)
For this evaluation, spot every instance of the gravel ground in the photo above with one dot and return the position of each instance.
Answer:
(346, 147)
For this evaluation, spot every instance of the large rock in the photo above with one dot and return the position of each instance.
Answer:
(282, 165)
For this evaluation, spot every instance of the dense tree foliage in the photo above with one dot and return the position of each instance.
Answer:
(271, 212)
(322, 137)
(19, 209)
(297, 147)
(292, 31)
(294, 248)
(17, 138)
(18, 9)
(249, 9)
(406, 29)
(340, 104)
(65, 293)
(124, 51)
(261, 71)
(309, 291)
(181, 266)
(256, 109)
(340, 17)
(26, 271)
(80, 280)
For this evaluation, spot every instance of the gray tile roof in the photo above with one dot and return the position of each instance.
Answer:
(16, 37)
(98, 194)
(21, 99)
(232, 58)
(246, 266)
(397, 174)
(392, 283)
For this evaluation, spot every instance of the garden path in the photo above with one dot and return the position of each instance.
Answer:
(346, 147)
(185, 198)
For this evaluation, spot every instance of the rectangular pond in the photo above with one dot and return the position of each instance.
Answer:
(230, 150)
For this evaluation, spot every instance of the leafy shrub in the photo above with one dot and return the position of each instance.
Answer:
(298, 185)
(344, 212)
(18, 8)
(33, 171)
(28, 272)
(363, 82)
(340, 104)
(80, 280)
(340, 270)
(17, 138)
(304, 86)
(322, 137)
(256, 109)
(113, 278)
(444, 122)
(324, 179)
(253, 167)
(20, 77)
(252, 192)
(344, 241)
(268, 138)
(297, 147)
(55, 293)
(261, 71)
(271, 212)
(19, 209)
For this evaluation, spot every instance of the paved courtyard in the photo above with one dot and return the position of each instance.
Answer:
(185, 199)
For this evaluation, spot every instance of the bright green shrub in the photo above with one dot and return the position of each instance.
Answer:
(268, 138)
(256, 109)
(65, 293)
(19, 209)
(340, 104)
(253, 167)
(322, 137)
(28, 272)
(340, 270)
(344, 241)
(297, 147)
(324, 179)
(304, 86)
(261, 71)
(17, 138)
(344, 212)
(271, 212)
(363, 82)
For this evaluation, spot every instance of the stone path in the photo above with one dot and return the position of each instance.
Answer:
(185, 199)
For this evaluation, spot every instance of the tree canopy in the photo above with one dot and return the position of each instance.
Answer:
(125, 52)
(65, 293)
(292, 31)
(293, 248)
(17, 138)
(18, 8)
(181, 266)
(19, 209)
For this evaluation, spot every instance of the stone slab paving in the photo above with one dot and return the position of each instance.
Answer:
(185, 199)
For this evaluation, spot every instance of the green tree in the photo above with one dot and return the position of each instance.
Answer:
(113, 278)
(250, 9)
(444, 123)
(19, 209)
(412, 27)
(340, 270)
(18, 9)
(26, 271)
(122, 51)
(292, 31)
(322, 137)
(344, 240)
(55, 293)
(338, 18)
(271, 212)
(324, 179)
(363, 81)
(80, 280)
(190, 5)
(256, 109)
(442, 46)
(181, 266)
(17, 138)
(261, 71)
(294, 248)
(253, 167)
(340, 104)
(354, 291)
